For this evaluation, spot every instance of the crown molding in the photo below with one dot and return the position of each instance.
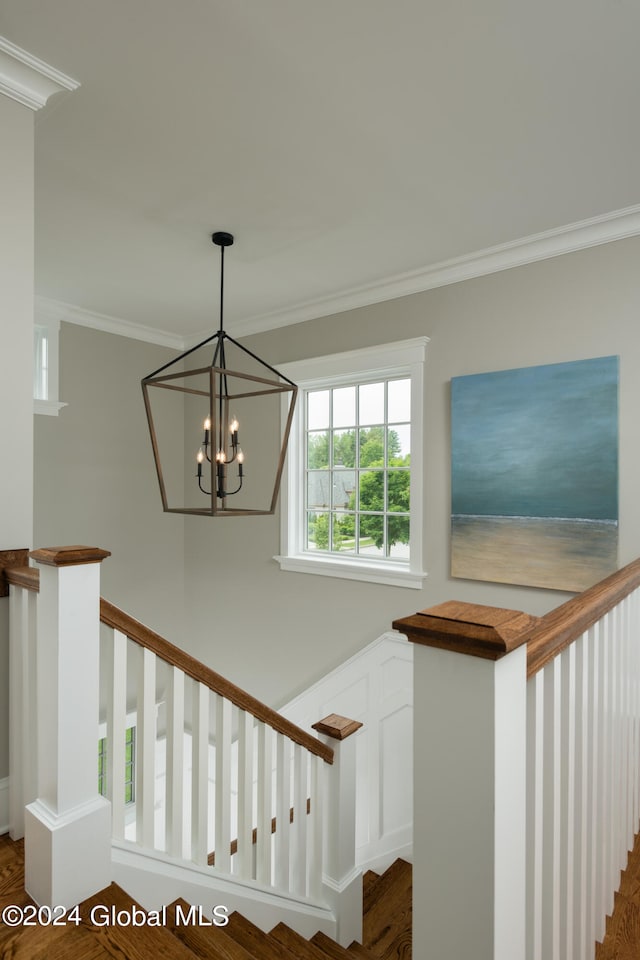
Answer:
(617, 225)
(28, 80)
(48, 310)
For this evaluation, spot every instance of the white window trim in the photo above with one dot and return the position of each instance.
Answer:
(49, 406)
(405, 357)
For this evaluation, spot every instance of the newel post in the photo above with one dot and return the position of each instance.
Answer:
(342, 879)
(67, 828)
(469, 835)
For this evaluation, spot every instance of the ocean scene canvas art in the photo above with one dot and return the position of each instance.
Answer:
(534, 474)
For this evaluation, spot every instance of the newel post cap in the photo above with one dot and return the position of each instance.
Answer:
(336, 727)
(471, 628)
(69, 556)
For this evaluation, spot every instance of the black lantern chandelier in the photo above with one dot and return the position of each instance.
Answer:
(202, 405)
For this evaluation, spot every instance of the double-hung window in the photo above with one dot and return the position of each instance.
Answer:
(352, 504)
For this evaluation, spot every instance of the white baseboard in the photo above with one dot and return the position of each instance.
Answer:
(375, 686)
(4, 805)
(381, 862)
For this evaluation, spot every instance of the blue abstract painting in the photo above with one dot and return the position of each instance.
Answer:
(534, 474)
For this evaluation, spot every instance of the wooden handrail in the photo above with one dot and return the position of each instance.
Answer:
(112, 616)
(492, 632)
(27, 577)
(560, 627)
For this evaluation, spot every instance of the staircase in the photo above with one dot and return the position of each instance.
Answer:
(215, 769)
(386, 927)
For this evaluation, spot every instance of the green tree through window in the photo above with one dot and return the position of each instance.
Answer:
(358, 477)
(129, 765)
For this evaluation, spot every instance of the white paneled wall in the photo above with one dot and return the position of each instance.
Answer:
(375, 687)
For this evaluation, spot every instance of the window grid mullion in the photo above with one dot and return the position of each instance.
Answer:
(356, 519)
(385, 465)
(331, 481)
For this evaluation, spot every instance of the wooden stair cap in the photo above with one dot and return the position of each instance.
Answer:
(336, 727)
(69, 556)
(471, 628)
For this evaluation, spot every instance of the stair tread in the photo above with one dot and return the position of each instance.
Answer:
(11, 870)
(386, 926)
(301, 948)
(46, 942)
(333, 950)
(206, 941)
(258, 943)
(357, 950)
(397, 873)
(369, 880)
(135, 943)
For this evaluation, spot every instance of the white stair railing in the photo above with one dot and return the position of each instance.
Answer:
(214, 781)
(527, 772)
(583, 778)
(221, 779)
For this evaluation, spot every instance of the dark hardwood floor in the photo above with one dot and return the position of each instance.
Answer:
(622, 940)
(386, 927)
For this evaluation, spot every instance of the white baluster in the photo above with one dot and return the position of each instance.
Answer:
(175, 762)
(624, 677)
(567, 798)
(265, 775)
(18, 709)
(627, 668)
(535, 744)
(245, 794)
(299, 837)
(597, 786)
(634, 673)
(200, 774)
(146, 755)
(595, 713)
(612, 810)
(634, 629)
(315, 823)
(30, 767)
(604, 823)
(223, 784)
(582, 798)
(283, 811)
(551, 815)
(116, 728)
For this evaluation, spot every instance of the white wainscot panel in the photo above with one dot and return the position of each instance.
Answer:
(375, 687)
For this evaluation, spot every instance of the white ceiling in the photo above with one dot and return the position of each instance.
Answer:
(343, 142)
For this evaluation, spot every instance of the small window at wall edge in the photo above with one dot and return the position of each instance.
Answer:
(45, 367)
(386, 362)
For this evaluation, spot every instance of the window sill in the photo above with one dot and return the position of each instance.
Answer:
(50, 408)
(389, 573)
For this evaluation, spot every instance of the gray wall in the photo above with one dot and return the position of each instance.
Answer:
(16, 360)
(274, 632)
(95, 482)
